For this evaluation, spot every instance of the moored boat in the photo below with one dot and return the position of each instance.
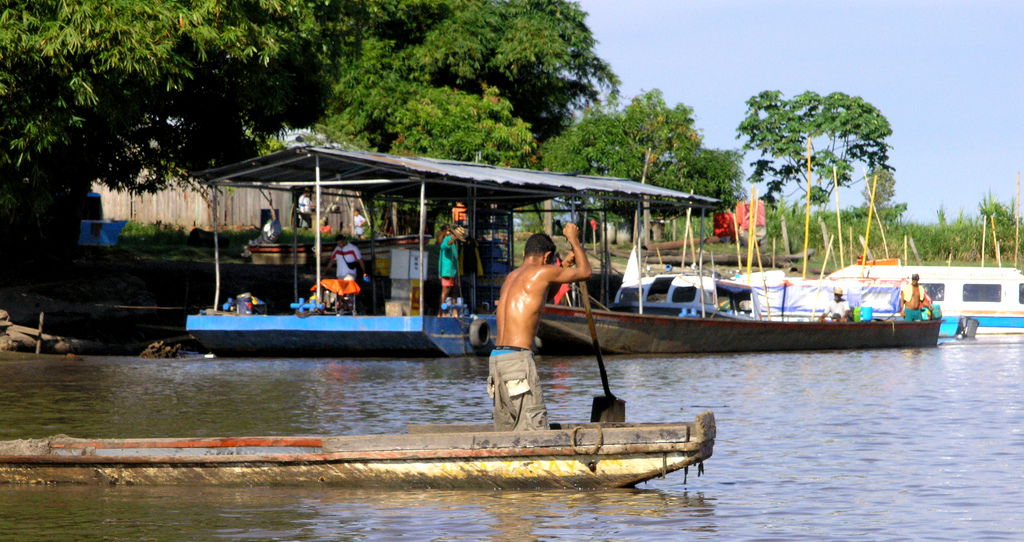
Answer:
(993, 297)
(580, 456)
(565, 329)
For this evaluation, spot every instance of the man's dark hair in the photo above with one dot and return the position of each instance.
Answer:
(538, 244)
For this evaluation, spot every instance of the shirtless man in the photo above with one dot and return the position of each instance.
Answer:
(912, 298)
(513, 382)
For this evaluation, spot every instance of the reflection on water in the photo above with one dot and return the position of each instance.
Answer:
(294, 514)
(885, 444)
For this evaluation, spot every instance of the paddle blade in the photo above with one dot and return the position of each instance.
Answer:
(608, 409)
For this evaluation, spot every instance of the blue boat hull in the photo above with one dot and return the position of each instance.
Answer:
(330, 335)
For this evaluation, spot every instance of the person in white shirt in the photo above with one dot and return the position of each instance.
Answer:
(358, 224)
(838, 310)
(347, 258)
(305, 210)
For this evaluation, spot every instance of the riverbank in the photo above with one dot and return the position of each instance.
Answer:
(114, 303)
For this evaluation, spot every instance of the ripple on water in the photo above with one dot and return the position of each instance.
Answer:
(889, 444)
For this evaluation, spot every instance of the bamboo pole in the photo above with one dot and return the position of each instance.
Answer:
(913, 248)
(867, 251)
(39, 334)
(693, 242)
(821, 277)
(995, 241)
(1016, 226)
(852, 252)
(751, 233)
(984, 233)
(686, 239)
(839, 218)
(905, 257)
(785, 235)
(764, 284)
(867, 234)
(807, 212)
(881, 229)
(736, 234)
(773, 253)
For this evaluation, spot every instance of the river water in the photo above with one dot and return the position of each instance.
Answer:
(889, 444)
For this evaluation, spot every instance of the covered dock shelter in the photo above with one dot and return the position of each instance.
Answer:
(379, 179)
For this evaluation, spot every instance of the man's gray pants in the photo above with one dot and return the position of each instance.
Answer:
(515, 387)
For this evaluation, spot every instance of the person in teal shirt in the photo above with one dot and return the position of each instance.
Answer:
(448, 265)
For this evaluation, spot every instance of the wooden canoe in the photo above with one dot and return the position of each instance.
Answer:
(564, 329)
(580, 456)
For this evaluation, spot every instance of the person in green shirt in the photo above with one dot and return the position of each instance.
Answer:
(448, 265)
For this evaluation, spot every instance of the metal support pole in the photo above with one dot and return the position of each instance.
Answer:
(316, 229)
(373, 253)
(605, 259)
(423, 229)
(295, 250)
(638, 245)
(216, 251)
(471, 218)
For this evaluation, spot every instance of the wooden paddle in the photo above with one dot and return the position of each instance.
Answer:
(607, 407)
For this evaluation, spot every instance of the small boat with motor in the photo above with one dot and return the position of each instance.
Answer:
(687, 313)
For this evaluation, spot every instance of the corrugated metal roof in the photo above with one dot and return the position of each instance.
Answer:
(400, 176)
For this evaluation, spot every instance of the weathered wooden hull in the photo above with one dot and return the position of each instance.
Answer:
(564, 329)
(584, 456)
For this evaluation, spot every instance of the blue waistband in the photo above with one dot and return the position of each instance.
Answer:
(502, 350)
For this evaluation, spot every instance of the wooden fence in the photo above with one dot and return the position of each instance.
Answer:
(190, 208)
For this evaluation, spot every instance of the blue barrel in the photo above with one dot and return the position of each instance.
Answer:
(866, 314)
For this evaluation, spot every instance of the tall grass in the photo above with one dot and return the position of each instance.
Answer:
(959, 241)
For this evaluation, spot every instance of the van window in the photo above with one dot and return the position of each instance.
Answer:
(658, 291)
(989, 293)
(686, 294)
(628, 295)
(935, 290)
(1020, 294)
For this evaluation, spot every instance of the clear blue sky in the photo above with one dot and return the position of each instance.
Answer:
(949, 76)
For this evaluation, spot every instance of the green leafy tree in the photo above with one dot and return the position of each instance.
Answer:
(885, 190)
(134, 93)
(614, 141)
(451, 124)
(845, 130)
(470, 71)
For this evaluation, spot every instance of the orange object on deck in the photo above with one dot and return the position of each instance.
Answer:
(883, 261)
(340, 287)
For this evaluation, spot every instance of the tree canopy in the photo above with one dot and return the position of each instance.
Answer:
(611, 139)
(885, 189)
(134, 93)
(453, 78)
(844, 130)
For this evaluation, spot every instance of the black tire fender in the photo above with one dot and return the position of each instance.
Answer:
(479, 333)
